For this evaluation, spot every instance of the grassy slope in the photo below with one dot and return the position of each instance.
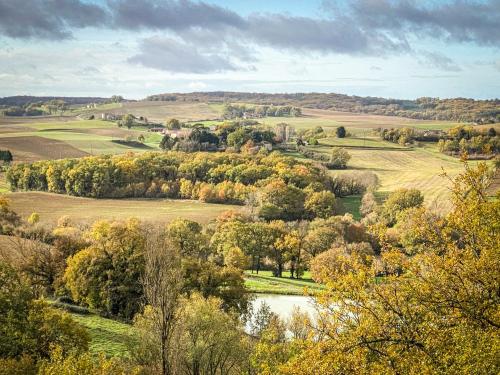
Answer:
(264, 282)
(107, 336)
(52, 206)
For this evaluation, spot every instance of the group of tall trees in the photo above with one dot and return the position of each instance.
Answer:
(435, 310)
(231, 135)
(221, 178)
(232, 111)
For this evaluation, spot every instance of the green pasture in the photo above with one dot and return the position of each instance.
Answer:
(265, 282)
(107, 336)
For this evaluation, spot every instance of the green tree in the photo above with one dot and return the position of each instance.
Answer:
(106, 275)
(31, 327)
(173, 124)
(398, 201)
(320, 204)
(128, 120)
(338, 158)
(281, 201)
(340, 132)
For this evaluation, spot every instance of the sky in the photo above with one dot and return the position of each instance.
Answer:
(388, 48)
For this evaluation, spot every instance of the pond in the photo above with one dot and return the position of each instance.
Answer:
(283, 305)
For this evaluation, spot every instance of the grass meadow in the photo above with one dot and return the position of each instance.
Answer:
(51, 207)
(265, 282)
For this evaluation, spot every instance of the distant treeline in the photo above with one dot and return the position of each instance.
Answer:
(39, 106)
(232, 111)
(457, 109)
(23, 100)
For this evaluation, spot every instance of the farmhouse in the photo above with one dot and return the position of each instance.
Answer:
(110, 117)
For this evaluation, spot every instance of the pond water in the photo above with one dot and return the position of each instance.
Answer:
(283, 305)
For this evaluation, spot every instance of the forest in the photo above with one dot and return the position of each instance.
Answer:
(406, 290)
(279, 187)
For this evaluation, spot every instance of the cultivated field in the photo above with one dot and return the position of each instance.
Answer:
(68, 138)
(161, 111)
(52, 206)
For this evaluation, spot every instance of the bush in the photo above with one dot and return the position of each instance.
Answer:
(338, 159)
(341, 133)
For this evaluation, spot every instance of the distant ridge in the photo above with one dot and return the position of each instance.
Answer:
(426, 108)
(20, 100)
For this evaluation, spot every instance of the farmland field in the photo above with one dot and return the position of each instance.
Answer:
(400, 167)
(54, 137)
(160, 111)
(31, 141)
(52, 206)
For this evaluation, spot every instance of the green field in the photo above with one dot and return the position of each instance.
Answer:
(51, 207)
(265, 282)
(398, 167)
(32, 141)
(107, 336)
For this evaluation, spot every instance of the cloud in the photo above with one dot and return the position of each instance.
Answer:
(47, 19)
(201, 37)
(439, 61)
(339, 35)
(168, 54)
(457, 20)
(88, 71)
(171, 15)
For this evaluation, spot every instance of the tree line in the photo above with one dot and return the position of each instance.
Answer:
(232, 111)
(280, 187)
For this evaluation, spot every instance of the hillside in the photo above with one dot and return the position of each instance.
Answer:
(455, 109)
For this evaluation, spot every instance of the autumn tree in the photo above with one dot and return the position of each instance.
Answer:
(106, 274)
(162, 284)
(400, 200)
(173, 124)
(437, 315)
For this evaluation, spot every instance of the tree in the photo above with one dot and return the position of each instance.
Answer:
(106, 274)
(338, 158)
(31, 327)
(281, 201)
(6, 156)
(320, 204)
(173, 124)
(167, 142)
(212, 341)
(162, 285)
(340, 132)
(398, 201)
(116, 99)
(128, 120)
(187, 237)
(368, 203)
